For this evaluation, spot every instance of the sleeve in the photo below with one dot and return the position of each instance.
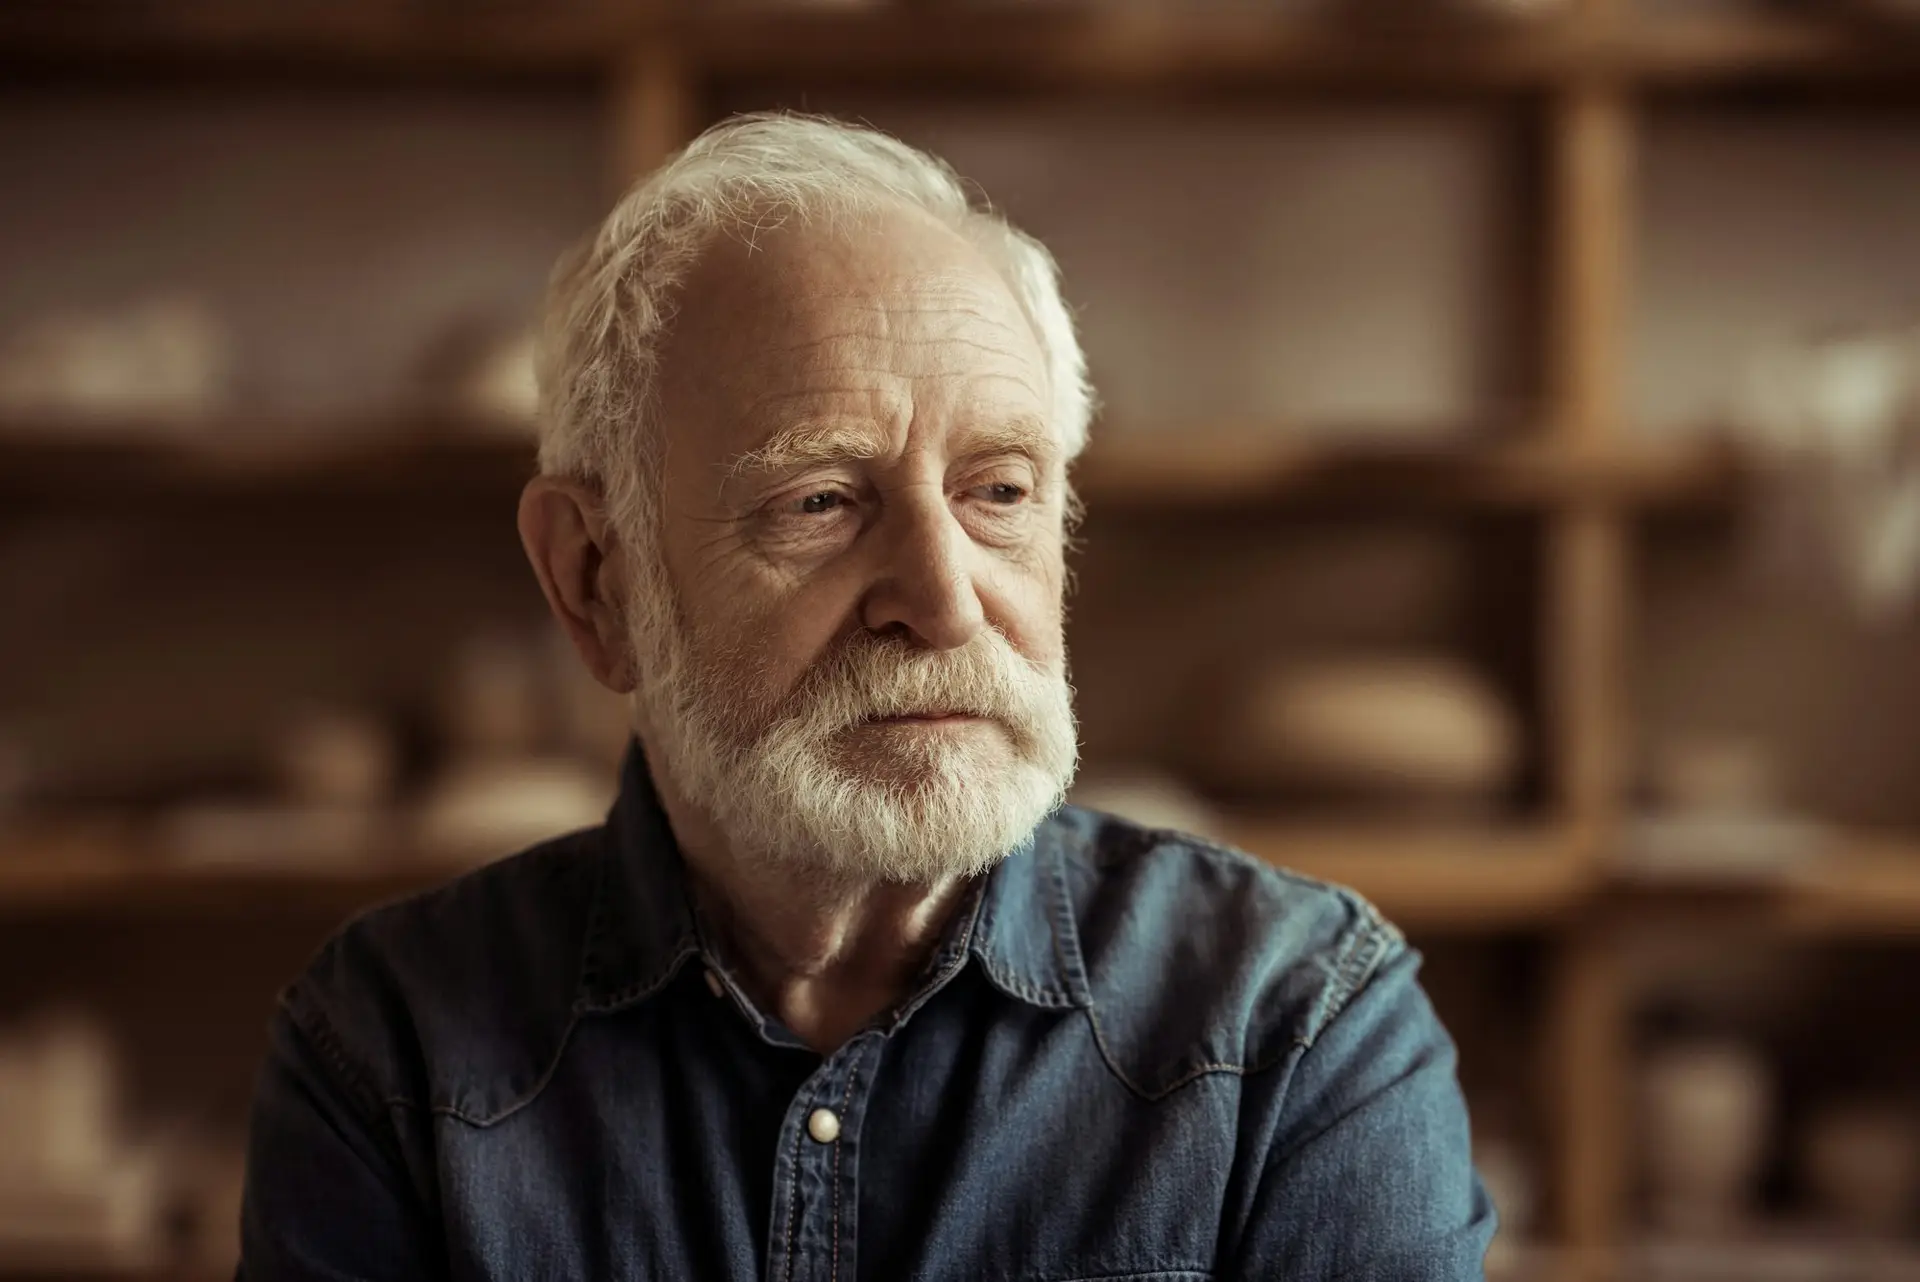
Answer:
(1364, 1163)
(327, 1195)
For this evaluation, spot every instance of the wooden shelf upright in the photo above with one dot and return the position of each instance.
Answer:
(1591, 214)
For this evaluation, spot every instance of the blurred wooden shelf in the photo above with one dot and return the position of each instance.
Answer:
(1437, 878)
(113, 1275)
(81, 1272)
(1165, 469)
(401, 451)
(1709, 50)
(1124, 47)
(1421, 877)
(1771, 1251)
(1155, 468)
(108, 1275)
(86, 872)
(355, 36)
(1866, 885)
(1869, 884)
(1424, 877)
(1096, 46)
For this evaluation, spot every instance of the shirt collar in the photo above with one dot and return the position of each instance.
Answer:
(1018, 925)
(642, 928)
(1025, 938)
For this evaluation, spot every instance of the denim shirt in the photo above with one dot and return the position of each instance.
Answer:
(1134, 1054)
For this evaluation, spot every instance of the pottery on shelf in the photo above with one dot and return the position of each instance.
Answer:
(1830, 422)
(482, 370)
(272, 836)
(337, 757)
(1716, 816)
(1419, 728)
(70, 1184)
(1706, 1109)
(164, 358)
(1720, 773)
(497, 388)
(484, 809)
(59, 1092)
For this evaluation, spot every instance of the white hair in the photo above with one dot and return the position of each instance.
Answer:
(612, 298)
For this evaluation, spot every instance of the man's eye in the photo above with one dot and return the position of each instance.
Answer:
(825, 501)
(1001, 492)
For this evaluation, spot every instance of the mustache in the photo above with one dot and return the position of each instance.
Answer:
(874, 676)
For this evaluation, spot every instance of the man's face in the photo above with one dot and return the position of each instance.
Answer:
(863, 505)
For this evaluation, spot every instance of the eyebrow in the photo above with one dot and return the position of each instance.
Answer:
(808, 445)
(813, 444)
(1023, 434)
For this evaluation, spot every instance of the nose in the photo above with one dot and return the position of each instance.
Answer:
(925, 587)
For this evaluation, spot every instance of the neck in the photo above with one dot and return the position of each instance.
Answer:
(824, 954)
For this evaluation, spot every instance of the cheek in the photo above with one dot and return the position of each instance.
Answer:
(1026, 604)
(769, 636)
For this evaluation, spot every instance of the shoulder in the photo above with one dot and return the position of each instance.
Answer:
(458, 998)
(1200, 958)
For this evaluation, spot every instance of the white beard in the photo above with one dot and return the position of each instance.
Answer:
(806, 778)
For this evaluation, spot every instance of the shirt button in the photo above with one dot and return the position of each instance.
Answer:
(823, 1125)
(713, 983)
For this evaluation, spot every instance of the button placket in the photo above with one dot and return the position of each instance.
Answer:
(816, 1174)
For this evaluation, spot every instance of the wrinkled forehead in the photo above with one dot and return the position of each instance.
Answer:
(845, 321)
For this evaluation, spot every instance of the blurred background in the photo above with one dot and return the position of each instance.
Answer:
(1506, 501)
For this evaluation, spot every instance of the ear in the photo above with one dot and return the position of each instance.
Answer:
(571, 543)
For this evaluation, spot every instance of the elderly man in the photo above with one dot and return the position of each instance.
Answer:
(842, 990)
